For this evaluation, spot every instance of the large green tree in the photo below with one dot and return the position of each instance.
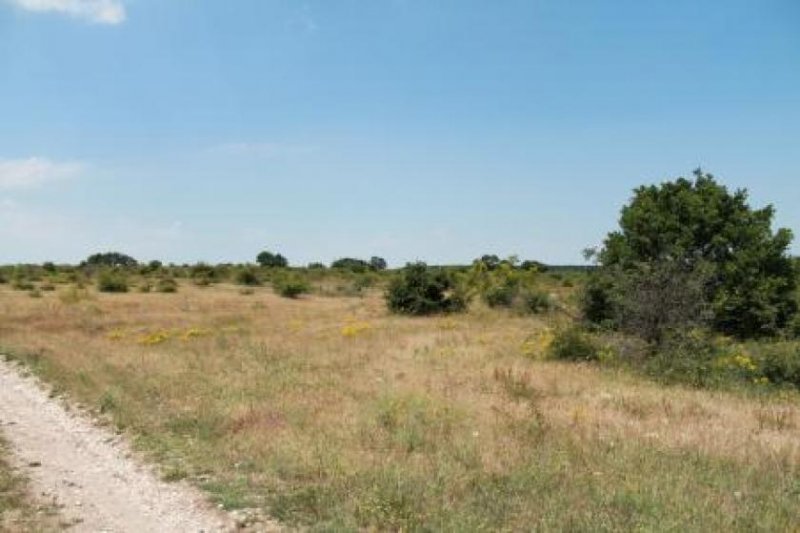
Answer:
(691, 222)
(271, 260)
(110, 259)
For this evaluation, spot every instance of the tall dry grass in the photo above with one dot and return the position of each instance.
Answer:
(329, 412)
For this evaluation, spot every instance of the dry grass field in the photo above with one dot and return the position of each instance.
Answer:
(331, 413)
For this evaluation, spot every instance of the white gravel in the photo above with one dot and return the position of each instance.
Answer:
(91, 473)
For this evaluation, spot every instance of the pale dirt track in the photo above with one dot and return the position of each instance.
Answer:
(89, 472)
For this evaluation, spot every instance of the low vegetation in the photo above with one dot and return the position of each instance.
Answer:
(421, 290)
(334, 413)
(112, 281)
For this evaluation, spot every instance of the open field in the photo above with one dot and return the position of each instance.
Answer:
(329, 412)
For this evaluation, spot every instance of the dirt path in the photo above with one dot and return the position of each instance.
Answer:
(89, 472)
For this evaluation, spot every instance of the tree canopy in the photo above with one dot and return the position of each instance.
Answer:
(377, 263)
(271, 260)
(692, 222)
(110, 259)
(351, 264)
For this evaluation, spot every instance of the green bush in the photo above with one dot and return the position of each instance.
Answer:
(203, 275)
(352, 264)
(22, 285)
(793, 330)
(535, 302)
(498, 283)
(112, 282)
(574, 344)
(598, 298)
(779, 363)
(500, 295)
(167, 285)
(247, 277)
(291, 286)
(421, 290)
(692, 357)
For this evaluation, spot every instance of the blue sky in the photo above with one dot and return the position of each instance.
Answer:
(438, 130)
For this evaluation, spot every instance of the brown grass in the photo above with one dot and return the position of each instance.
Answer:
(308, 407)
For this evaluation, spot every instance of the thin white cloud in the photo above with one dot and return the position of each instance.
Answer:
(95, 11)
(34, 172)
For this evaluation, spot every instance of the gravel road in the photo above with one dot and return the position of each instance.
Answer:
(90, 472)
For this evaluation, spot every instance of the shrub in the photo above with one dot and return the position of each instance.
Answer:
(316, 266)
(421, 290)
(112, 282)
(73, 295)
(22, 285)
(500, 295)
(351, 264)
(536, 266)
(574, 344)
(203, 275)
(247, 277)
(47, 287)
(535, 301)
(202, 282)
(167, 285)
(498, 283)
(291, 286)
(363, 282)
(598, 298)
(793, 329)
(780, 363)
(690, 357)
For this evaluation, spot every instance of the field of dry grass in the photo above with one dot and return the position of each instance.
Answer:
(332, 413)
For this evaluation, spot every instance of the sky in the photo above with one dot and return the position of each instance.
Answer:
(435, 130)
